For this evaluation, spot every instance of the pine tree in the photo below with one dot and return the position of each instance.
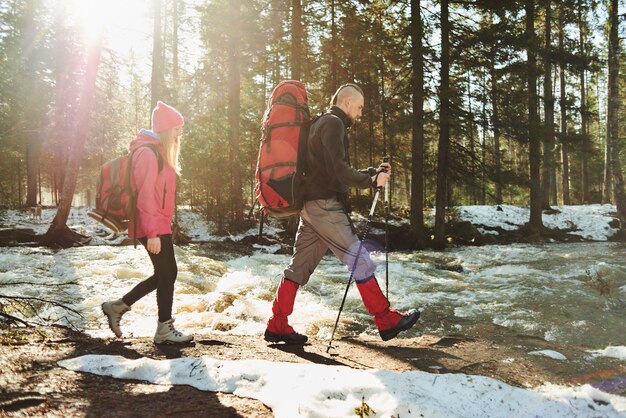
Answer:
(444, 131)
(535, 222)
(613, 112)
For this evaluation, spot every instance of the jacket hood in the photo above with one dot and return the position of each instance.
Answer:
(145, 137)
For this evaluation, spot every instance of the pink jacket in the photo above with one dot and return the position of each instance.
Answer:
(155, 190)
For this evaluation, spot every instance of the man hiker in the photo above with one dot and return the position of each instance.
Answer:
(324, 223)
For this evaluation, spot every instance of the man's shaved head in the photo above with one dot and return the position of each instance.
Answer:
(344, 92)
(349, 98)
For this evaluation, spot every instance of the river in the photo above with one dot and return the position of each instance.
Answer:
(568, 293)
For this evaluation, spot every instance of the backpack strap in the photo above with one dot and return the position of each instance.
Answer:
(157, 154)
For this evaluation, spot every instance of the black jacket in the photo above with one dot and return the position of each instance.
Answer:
(328, 172)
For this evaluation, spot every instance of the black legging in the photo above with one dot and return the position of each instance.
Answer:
(165, 271)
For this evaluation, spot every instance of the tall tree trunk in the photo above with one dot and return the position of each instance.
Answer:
(175, 64)
(19, 181)
(275, 58)
(497, 156)
(563, 107)
(296, 39)
(444, 132)
(59, 233)
(613, 113)
(32, 165)
(472, 144)
(584, 114)
(606, 181)
(483, 150)
(234, 99)
(417, 143)
(177, 235)
(383, 107)
(157, 81)
(62, 100)
(535, 222)
(602, 138)
(34, 108)
(548, 137)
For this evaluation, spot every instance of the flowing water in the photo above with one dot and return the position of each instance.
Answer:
(570, 293)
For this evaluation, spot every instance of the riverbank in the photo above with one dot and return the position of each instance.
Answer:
(34, 385)
(466, 225)
(526, 315)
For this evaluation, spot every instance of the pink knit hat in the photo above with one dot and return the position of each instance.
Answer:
(165, 117)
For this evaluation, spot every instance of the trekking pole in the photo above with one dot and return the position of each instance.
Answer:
(387, 209)
(356, 259)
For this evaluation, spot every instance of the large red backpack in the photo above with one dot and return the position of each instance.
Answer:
(115, 202)
(280, 166)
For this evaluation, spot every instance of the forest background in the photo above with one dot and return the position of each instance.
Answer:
(476, 102)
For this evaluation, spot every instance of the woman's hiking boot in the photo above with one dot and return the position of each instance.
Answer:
(167, 334)
(278, 328)
(388, 321)
(114, 311)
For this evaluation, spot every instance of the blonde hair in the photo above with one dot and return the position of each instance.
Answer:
(171, 148)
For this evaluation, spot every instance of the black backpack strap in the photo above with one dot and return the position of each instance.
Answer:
(303, 150)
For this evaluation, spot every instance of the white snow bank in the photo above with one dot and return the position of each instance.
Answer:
(312, 390)
(549, 353)
(588, 221)
(618, 352)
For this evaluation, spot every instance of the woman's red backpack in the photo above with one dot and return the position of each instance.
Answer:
(281, 162)
(115, 202)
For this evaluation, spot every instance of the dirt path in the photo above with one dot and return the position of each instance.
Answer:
(31, 383)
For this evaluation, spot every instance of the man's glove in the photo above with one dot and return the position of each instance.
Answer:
(380, 179)
(382, 175)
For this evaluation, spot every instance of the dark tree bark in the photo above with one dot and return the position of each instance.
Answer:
(333, 53)
(613, 113)
(497, 156)
(535, 222)
(565, 185)
(59, 233)
(383, 105)
(584, 113)
(548, 137)
(33, 152)
(417, 144)
(606, 180)
(175, 64)
(474, 188)
(234, 109)
(444, 132)
(36, 123)
(157, 82)
(296, 39)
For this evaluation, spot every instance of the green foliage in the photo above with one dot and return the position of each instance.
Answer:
(366, 42)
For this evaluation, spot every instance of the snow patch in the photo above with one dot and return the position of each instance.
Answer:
(548, 353)
(618, 352)
(322, 391)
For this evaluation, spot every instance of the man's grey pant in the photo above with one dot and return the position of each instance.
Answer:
(324, 225)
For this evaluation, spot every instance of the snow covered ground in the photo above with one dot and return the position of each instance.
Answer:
(312, 390)
(530, 289)
(588, 221)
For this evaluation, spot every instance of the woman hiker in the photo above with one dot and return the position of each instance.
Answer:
(153, 181)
